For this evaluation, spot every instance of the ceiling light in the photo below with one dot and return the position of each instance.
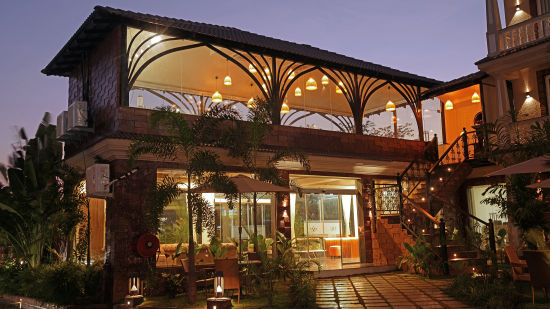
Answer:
(311, 84)
(340, 87)
(284, 108)
(324, 80)
(291, 75)
(298, 92)
(217, 97)
(476, 98)
(227, 80)
(449, 105)
(156, 39)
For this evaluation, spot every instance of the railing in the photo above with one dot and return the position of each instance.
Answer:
(386, 199)
(525, 32)
(520, 130)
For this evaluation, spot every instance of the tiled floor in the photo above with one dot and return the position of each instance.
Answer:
(390, 290)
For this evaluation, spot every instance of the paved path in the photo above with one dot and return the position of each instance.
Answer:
(392, 290)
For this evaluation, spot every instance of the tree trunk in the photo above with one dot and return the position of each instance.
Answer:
(191, 276)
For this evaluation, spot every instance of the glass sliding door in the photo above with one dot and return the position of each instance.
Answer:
(325, 228)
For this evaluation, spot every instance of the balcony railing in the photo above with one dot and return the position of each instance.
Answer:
(525, 32)
(519, 131)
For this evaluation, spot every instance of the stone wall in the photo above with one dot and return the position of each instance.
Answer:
(387, 242)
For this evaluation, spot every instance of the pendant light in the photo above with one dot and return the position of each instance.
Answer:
(227, 79)
(298, 92)
(265, 87)
(476, 98)
(291, 75)
(324, 80)
(251, 68)
(284, 108)
(311, 84)
(339, 88)
(217, 97)
(449, 105)
(267, 73)
(250, 104)
(390, 106)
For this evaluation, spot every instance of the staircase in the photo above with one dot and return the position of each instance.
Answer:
(427, 189)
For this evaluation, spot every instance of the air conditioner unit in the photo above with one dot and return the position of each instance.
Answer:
(77, 119)
(61, 128)
(97, 180)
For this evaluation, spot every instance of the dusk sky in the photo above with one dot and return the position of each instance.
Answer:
(435, 38)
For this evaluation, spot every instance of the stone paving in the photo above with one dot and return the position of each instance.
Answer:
(390, 290)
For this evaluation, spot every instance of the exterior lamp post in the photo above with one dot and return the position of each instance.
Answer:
(134, 296)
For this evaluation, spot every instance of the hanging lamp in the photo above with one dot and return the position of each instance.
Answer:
(291, 75)
(284, 108)
(298, 92)
(390, 106)
(324, 80)
(250, 104)
(217, 97)
(267, 73)
(449, 105)
(476, 98)
(227, 79)
(311, 84)
(264, 86)
(340, 87)
(251, 68)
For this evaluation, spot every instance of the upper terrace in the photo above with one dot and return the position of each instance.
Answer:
(152, 61)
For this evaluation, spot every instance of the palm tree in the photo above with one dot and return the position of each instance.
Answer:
(40, 203)
(202, 166)
(245, 141)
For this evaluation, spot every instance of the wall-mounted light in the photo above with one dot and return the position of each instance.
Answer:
(285, 214)
(528, 98)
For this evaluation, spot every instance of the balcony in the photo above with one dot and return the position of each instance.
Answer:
(519, 131)
(531, 30)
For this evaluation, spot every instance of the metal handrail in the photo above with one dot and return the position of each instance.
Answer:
(459, 209)
(422, 210)
(454, 143)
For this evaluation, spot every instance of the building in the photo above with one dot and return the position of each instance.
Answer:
(366, 195)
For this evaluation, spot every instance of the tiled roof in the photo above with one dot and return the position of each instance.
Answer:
(455, 84)
(104, 19)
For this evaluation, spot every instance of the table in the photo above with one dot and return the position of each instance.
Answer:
(219, 302)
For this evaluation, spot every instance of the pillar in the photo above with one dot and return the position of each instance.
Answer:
(367, 204)
(283, 204)
(493, 26)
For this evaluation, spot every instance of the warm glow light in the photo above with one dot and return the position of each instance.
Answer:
(285, 109)
(264, 86)
(217, 97)
(227, 80)
(156, 39)
(311, 84)
(250, 103)
(251, 68)
(324, 80)
(298, 92)
(390, 106)
(528, 98)
(476, 98)
(449, 105)
(339, 88)
(291, 75)
(285, 215)
(219, 289)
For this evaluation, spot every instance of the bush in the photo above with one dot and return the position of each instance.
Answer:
(63, 283)
(302, 289)
(485, 291)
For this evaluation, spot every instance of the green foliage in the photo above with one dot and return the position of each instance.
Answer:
(485, 291)
(40, 203)
(162, 194)
(63, 283)
(422, 257)
(216, 247)
(403, 130)
(202, 165)
(173, 284)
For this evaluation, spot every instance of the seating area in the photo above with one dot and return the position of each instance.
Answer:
(534, 269)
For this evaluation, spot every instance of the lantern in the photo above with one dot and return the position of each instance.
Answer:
(134, 284)
(390, 106)
(298, 92)
(449, 105)
(339, 88)
(227, 80)
(284, 108)
(251, 68)
(217, 97)
(291, 75)
(324, 80)
(218, 284)
(476, 98)
(250, 103)
(139, 103)
(311, 84)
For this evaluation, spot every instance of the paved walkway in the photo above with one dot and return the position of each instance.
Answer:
(391, 290)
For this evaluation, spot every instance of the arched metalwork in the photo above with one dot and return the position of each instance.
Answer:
(342, 123)
(411, 94)
(192, 104)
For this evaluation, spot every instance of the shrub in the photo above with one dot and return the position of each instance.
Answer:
(63, 283)
(485, 291)
(302, 289)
